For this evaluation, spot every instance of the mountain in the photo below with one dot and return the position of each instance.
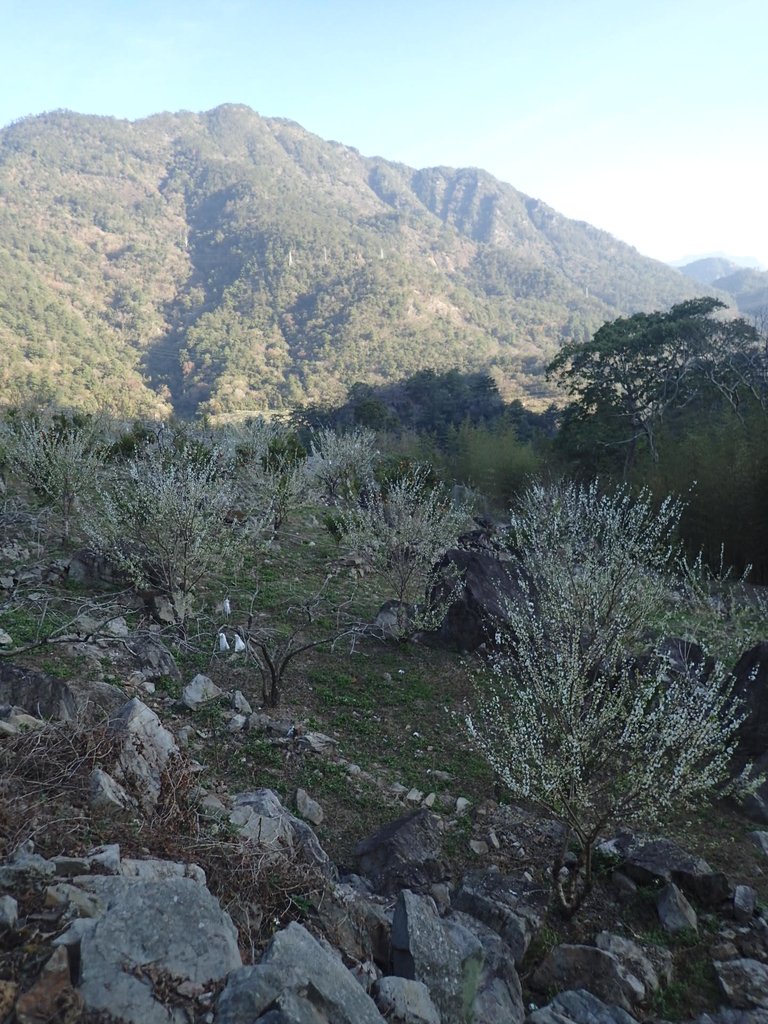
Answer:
(222, 262)
(708, 269)
(748, 289)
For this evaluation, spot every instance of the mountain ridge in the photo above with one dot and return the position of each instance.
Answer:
(226, 263)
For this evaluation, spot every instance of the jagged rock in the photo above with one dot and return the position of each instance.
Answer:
(512, 907)
(632, 957)
(404, 1001)
(447, 961)
(260, 817)
(308, 808)
(146, 750)
(744, 982)
(297, 982)
(751, 686)
(168, 931)
(744, 903)
(404, 854)
(579, 1007)
(601, 973)
(106, 794)
(199, 691)
(726, 1015)
(487, 585)
(25, 868)
(355, 923)
(240, 704)
(105, 859)
(662, 860)
(152, 870)
(88, 566)
(52, 997)
(317, 743)
(675, 912)
(9, 912)
(760, 839)
(499, 997)
(154, 660)
(49, 697)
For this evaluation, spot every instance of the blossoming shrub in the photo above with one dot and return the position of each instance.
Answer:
(563, 715)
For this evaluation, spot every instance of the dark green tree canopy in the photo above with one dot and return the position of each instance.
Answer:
(637, 369)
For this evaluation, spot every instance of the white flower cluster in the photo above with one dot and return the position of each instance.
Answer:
(563, 715)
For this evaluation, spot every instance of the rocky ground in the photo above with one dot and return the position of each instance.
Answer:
(174, 851)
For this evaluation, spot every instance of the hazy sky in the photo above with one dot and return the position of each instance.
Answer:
(645, 118)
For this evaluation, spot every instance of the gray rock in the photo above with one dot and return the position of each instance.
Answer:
(105, 859)
(499, 996)
(664, 861)
(579, 1007)
(25, 868)
(297, 982)
(488, 587)
(106, 794)
(308, 808)
(154, 660)
(744, 982)
(632, 956)
(173, 929)
(199, 691)
(744, 903)
(317, 743)
(151, 870)
(404, 854)
(601, 973)
(146, 750)
(9, 912)
(49, 697)
(447, 961)
(240, 704)
(760, 839)
(512, 907)
(675, 912)
(356, 923)
(404, 1001)
(260, 817)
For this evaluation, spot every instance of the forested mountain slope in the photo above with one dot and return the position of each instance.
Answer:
(223, 262)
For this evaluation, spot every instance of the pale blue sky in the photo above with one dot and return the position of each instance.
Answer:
(646, 119)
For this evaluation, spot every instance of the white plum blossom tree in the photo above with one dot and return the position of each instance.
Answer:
(563, 714)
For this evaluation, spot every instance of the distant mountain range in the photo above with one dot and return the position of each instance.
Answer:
(222, 263)
(746, 287)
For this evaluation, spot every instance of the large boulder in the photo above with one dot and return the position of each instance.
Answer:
(751, 686)
(662, 860)
(744, 982)
(447, 960)
(404, 854)
(297, 982)
(499, 996)
(259, 817)
(153, 935)
(146, 751)
(53, 698)
(484, 586)
(598, 971)
(512, 907)
(579, 1007)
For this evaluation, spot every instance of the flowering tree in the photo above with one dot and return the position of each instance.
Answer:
(340, 461)
(61, 459)
(163, 522)
(562, 715)
(400, 533)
